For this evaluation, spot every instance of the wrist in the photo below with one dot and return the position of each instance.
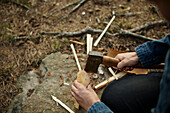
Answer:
(93, 103)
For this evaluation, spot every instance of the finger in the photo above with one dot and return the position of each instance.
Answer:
(75, 91)
(121, 64)
(131, 68)
(73, 94)
(119, 57)
(73, 88)
(89, 86)
(126, 68)
(115, 67)
(78, 85)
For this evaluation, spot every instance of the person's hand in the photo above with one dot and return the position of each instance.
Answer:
(84, 96)
(127, 60)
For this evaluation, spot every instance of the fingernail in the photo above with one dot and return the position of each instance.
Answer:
(116, 68)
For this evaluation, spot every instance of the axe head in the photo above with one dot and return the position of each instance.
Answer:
(93, 61)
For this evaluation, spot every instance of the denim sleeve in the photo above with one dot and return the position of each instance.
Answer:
(153, 52)
(99, 107)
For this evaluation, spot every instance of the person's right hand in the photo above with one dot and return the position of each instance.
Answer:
(127, 59)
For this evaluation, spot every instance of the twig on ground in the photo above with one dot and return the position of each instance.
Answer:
(20, 38)
(21, 5)
(93, 31)
(90, 30)
(74, 9)
(125, 32)
(68, 5)
(149, 25)
(129, 14)
(87, 30)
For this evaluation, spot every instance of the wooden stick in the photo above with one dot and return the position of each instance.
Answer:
(89, 43)
(112, 72)
(125, 32)
(76, 42)
(149, 25)
(104, 83)
(100, 37)
(74, 9)
(75, 55)
(68, 5)
(77, 33)
(19, 4)
(62, 104)
(129, 14)
(92, 31)
(88, 40)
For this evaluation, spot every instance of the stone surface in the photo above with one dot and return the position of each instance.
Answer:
(58, 71)
(28, 81)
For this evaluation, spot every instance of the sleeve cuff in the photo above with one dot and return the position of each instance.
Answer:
(99, 107)
(145, 55)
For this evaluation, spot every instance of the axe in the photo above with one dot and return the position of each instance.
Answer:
(96, 58)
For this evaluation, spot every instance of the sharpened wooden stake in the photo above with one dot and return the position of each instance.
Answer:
(88, 40)
(80, 73)
(75, 55)
(113, 73)
(100, 37)
(62, 104)
(107, 81)
(89, 43)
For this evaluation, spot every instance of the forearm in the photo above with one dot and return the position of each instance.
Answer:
(153, 52)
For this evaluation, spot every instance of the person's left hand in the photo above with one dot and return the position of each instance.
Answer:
(84, 96)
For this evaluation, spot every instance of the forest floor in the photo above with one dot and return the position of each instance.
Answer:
(22, 46)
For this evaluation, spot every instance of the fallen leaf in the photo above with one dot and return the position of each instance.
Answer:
(62, 77)
(49, 73)
(100, 49)
(61, 84)
(113, 52)
(64, 93)
(75, 69)
(82, 59)
(69, 75)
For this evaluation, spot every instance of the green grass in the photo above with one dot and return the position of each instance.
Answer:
(10, 37)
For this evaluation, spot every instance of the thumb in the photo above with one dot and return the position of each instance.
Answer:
(121, 64)
(90, 86)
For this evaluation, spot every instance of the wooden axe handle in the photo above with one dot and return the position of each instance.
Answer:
(110, 61)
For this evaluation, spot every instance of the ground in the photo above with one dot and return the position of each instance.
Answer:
(22, 55)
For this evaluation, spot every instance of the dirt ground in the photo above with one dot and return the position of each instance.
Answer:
(19, 55)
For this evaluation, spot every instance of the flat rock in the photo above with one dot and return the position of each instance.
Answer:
(58, 72)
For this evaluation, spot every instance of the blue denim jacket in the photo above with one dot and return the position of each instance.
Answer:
(150, 53)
